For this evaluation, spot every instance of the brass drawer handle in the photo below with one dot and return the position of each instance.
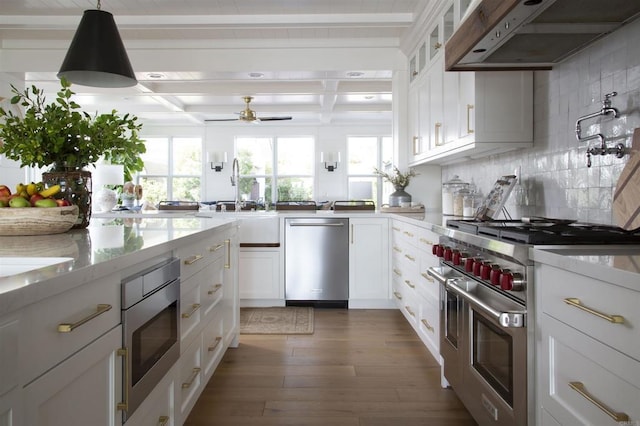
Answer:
(575, 302)
(411, 258)
(416, 144)
(68, 328)
(397, 295)
(426, 276)
(407, 282)
(163, 420)
(469, 108)
(579, 387)
(194, 376)
(396, 248)
(193, 259)
(437, 136)
(193, 310)
(228, 264)
(215, 289)
(427, 242)
(216, 247)
(124, 405)
(398, 273)
(408, 234)
(410, 311)
(215, 344)
(437, 45)
(395, 228)
(427, 325)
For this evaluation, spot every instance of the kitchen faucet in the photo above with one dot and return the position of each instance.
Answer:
(235, 181)
(618, 150)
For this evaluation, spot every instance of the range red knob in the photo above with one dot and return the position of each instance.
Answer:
(506, 281)
(494, 277)
(468, 264)
(438, 250)
(457, 258)
(434, 249)
(477, 265)
(485, 270)
(448, 254)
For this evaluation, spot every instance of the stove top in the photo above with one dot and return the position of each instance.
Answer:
(547, 232)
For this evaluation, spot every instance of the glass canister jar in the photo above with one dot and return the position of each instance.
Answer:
(458, 200)
(449, 189)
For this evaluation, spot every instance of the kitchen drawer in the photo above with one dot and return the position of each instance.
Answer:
(212, 287)
(57, 327)
(429, 287)
(9, 346)
(429, 325)
(557, 286)
(190, 316)
(194, 257)
(427, 239)
(608, 376)
(157, 408)
(405, 232)
(212, 344)
(189, 377)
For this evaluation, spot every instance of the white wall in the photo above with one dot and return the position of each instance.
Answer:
(556, 179)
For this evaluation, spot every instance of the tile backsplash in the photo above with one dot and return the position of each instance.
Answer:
(555, 180)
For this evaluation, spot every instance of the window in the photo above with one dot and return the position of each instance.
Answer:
(276, 169)
(364, 154)
(172, 169)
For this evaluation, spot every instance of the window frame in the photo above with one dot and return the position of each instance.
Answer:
(381, 185)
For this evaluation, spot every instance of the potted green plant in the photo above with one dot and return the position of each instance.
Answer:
(399, 181)
(62, 138)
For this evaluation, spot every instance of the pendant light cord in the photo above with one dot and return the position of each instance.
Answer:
(98, 6)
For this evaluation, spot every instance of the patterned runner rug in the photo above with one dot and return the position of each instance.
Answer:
(276, 320)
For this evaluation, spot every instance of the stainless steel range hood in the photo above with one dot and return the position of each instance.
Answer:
(532, 34)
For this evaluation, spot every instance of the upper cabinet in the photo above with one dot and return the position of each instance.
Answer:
(455, 116)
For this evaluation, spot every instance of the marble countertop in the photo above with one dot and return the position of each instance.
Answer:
(107, 245)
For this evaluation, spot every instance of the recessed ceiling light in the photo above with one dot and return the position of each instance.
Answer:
(156, 75)
(256, 75)
(355, 74)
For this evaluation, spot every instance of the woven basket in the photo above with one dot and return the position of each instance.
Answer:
(37, 220)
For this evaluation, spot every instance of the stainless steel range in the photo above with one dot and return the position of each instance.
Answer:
(487, 303)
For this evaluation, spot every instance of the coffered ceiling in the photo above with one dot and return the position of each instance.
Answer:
(319, 61)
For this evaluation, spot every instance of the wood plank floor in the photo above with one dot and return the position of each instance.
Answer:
(359, 368)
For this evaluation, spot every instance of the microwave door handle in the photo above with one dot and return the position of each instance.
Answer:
(505, 319)
(435, 272)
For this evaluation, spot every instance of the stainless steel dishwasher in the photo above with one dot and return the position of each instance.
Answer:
(317, 262)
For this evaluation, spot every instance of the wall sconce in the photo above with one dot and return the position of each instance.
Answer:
(217, 160)
(330, 160)
(96, 56)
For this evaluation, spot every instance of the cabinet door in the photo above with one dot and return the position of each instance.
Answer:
(259, 274)
(10, 408)
(158, 409)
(230, 297)
(369, 259)
(82, 390)
(436, 104)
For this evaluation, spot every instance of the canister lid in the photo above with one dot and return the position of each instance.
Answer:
(454, 183)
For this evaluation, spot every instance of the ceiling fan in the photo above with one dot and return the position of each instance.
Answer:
(249, 115)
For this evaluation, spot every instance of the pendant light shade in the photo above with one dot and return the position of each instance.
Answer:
(97, 56)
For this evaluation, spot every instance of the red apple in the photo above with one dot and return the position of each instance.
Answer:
(62, 202)
(35, 197)
(4, 191)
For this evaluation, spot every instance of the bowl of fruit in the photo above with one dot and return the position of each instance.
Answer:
(33, 210)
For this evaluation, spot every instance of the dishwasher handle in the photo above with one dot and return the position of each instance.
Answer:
(329, 224)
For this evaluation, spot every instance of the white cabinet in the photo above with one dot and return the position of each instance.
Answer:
(588, 358)
(259, 275)
(158, 408)
(82, 390)
(368, 262)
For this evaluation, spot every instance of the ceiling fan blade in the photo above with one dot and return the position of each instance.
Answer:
(273, 118)
(221, 119)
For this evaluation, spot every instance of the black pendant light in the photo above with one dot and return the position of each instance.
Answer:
(97, 56)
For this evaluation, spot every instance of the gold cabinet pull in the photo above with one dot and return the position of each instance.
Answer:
(193, 259)
(410, 311)
(216, 247)
(407, 282)
(575, 302)
(427, 325)
(68, 328)
(124, 405)
(425, 241)
(416, 144)
(469, 108)
(215, 344)
(163, 420)
(215, 289)
(395, 228)
(352, 233)
(398, 273)
(194, 375)
(396, 248)
(426, 276)
(579, 387)
(228, 264)
(437, 138)
(411, 258)
(193, 310)
(408, 234)
(397, 295)
(437, 46)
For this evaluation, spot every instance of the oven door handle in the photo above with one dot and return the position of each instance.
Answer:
(435, 272)
(510, 319)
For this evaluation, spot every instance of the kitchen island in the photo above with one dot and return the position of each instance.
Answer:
(62, 336)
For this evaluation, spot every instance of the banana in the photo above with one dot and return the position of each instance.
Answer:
(31, 188)
(51, 191)
(20, 187)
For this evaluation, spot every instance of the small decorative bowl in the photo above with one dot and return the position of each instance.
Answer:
(37, 220)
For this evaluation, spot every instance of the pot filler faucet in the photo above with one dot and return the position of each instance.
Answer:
(618, 149)
(235, 181)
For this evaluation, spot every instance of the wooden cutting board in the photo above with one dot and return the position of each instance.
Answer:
(626, 198)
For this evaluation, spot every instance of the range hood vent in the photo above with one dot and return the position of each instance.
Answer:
(532, 34)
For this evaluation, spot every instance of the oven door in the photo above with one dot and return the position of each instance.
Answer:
(495, 368)
(151, 341)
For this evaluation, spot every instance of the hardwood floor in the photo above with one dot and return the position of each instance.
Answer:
(359, 368)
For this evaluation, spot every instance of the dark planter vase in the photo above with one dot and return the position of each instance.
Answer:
(76, 188)
(398, 197)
